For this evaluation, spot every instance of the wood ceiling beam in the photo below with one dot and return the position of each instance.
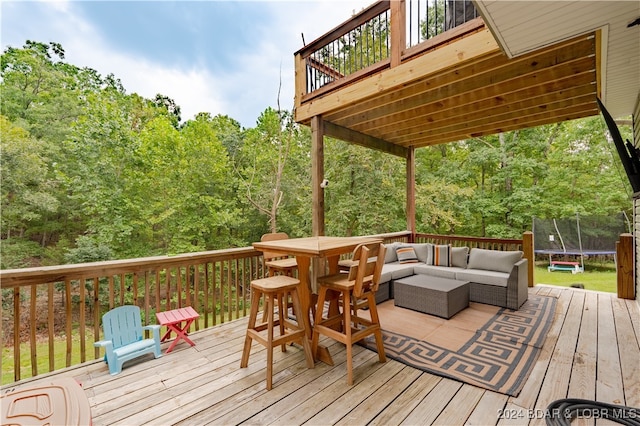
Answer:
(403, 96)
(348, 135)
(490, 108)
(455, 138)
(446, 57)
(574, 85)
(480, 120)
(480, 73)
(441, 102)
(548, 117)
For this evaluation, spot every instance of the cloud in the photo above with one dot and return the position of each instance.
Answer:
(194, 90)
(265, 74)
(242, 86)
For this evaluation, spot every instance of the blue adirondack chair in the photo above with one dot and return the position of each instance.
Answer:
(124, 338)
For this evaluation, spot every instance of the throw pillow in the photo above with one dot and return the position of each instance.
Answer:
(493, 260)
(441, 255)
(423, 250)
(459, 256)
(406, 255)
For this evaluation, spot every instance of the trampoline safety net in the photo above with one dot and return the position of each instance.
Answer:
(579, 235)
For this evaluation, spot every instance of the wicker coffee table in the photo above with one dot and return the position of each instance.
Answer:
(431, 295)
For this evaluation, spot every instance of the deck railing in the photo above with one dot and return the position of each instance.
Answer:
(51, 315)
(57, 309)
(475, 242)
(376, 38)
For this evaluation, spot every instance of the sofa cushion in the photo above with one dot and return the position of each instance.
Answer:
(406, 255)
(385, 276)
(459, 256)
(493, 260)
(437, 271)
(397, 270)
(440, 255)
(483, 277)
(390, 255)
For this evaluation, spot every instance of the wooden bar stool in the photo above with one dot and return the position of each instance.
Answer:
(357, 290)
(274, 262)
(276, 291)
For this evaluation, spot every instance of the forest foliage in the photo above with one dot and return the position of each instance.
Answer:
(91, 172)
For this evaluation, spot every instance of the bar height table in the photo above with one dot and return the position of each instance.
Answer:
(304, 250)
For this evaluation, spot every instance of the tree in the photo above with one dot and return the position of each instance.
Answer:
(185, 183)
(443, 189)
(227, 130)
(90, 172)
(26, 187)
(366, 194)
(433, 22)
(170, 107)
(584, 172)
(40, 92)
(97, 170)
(263, 163)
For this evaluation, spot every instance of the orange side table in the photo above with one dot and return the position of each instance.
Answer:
(178, 321)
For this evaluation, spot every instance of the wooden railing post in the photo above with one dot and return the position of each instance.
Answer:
(300, 80)
(527, 248)
(625, 261)
(398, 31)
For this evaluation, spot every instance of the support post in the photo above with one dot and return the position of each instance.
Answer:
(411, 192)
(528, 253)
(317, 175)
(625, 263)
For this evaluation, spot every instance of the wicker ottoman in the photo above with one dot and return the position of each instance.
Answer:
(431, 295)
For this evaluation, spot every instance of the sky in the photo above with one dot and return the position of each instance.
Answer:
(232, 58)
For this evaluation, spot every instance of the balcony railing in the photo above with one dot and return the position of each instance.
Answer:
(52, 315)
(372, 39)
(429, 18)
(365, 42)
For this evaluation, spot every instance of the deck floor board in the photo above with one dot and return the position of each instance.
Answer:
(591, 351)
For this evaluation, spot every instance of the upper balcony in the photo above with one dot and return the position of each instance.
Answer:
(417, 73)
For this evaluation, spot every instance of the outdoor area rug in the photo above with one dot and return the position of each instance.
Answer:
(486, 346)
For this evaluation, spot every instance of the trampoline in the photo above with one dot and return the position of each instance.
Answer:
(576, 238)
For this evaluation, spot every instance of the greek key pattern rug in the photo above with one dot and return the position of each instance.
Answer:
(499, 356)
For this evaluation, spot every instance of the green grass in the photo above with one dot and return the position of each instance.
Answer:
(42, 350)
(596, 276)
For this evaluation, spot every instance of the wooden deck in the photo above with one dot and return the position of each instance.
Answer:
(591, 352)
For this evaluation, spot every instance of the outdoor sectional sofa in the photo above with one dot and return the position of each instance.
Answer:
(495, 277)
